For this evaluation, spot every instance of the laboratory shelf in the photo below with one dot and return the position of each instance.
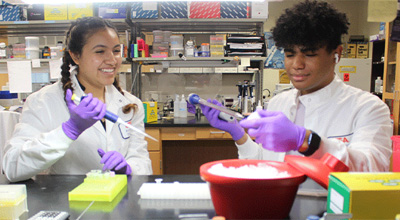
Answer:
(199, 26)
(49, 28)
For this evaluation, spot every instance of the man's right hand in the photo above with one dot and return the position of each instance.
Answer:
(83, 116)
(233, 127)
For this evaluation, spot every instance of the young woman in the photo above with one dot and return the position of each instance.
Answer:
(59, 136)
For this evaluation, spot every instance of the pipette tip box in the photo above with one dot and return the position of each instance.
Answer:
(99, 186)
(13, 201)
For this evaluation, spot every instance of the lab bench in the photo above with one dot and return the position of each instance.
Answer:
(187, 143)
(50, 192)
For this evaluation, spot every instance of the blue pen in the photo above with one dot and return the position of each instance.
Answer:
(115, 119)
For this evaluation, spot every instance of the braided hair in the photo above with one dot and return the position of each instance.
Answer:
(76, 38)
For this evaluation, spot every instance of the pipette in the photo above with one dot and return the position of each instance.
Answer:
(195, 99)
(115, 119)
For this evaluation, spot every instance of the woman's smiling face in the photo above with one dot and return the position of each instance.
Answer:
(100, 59)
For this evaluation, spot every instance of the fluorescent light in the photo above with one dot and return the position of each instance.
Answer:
(92, 1)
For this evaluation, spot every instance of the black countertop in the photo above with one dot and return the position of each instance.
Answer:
(50, 192)
(190, 121)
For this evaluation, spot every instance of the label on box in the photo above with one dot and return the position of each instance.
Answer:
(55, 12)
(79, 10)
(144, 10)
(205, 10)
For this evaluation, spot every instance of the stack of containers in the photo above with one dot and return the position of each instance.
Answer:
(160, 46)
(217, 43)
(32, 47)
(19, 51)
(176, 45)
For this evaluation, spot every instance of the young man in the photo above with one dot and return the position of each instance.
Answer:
(321, 114)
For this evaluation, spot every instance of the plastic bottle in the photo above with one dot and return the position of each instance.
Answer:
(60, 51)
(176, 106)
(46, 53)
(378, 85)
(189, 49)
(3, 51)
(183, 107)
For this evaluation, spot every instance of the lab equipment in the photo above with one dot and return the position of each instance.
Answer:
(226, 113)
(50, 215)
(175, 190)
(176, 106)
(99, 186)
(115, 119)
(183, 107)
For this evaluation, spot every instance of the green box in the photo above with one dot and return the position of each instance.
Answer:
(364, 195)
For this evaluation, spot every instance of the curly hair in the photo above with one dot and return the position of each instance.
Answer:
(76, 38)
(311, 24)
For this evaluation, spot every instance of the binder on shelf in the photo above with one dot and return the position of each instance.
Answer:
(245, 45)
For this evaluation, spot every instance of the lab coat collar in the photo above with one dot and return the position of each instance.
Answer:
(320, 96)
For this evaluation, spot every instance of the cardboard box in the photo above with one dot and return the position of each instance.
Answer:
(362, 49)
(10, 13)
(364, 195)
(80, 10)
(150, 111)
(55, 12)
(234, 10)
(351, 50)
(147, 68)
(113, 10)
(35, 12)
(174, 10)
(145, 10)
(205, 10)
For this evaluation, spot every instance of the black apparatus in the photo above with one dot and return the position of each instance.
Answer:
(246, 99)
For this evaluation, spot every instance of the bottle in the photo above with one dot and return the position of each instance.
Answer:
(183, 107)
(46, 53)
(3, 51)
(176, 106)
(189, 49)
(378, 85)
(60, 51)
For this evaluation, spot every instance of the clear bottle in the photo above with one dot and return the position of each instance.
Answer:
(176, 106)
(3, 50)
(189, 49)
(378, 85)
(183, 107)
(60, 52)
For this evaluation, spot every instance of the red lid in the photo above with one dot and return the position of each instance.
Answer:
(318, 170)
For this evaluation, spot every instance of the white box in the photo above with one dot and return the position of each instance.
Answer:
(13, 201)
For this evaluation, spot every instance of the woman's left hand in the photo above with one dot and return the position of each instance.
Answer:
(113, 160)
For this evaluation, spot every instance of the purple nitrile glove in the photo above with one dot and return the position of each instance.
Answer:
(191, 108)
(113, 160)
(232, 127)
(275, 131)
(84, 115)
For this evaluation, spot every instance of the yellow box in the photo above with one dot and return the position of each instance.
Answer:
(13, 201)
(351, 50)
(55, 12)
(150, 111)
(80, 10)
(99, 186)
(364, 195)
(283, 77)
(362, 50)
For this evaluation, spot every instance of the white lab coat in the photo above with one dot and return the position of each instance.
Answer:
(354, 125)
(39, 143)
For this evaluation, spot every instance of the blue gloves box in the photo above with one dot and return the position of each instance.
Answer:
(144, 10)
(174, 10)
(10, 13)
(234, 10)
(109, 10)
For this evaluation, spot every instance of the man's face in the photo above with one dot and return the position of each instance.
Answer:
(310, 69)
